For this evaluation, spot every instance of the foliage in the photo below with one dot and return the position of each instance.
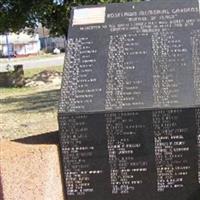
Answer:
(16, 15)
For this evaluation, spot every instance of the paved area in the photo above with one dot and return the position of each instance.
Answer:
(30, 172)
(56, 60)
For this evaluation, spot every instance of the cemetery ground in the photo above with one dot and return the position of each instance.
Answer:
(30, 110)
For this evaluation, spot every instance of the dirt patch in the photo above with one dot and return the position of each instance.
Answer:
(43, 78)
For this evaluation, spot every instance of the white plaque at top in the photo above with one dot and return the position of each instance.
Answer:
(85, 16)
(199, 6)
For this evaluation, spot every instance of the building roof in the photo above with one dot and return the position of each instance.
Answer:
(21, 38)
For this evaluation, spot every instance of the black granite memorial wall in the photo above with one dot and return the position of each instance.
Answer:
(129, 113)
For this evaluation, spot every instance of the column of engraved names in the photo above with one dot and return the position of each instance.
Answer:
(79, 82)
(128, 170)
(136, 70)
(70, 78)
(126, 55)
(170, 149)
(75, 155)
(115, 73)
(196, 63)
(87, 80)
(169, 60)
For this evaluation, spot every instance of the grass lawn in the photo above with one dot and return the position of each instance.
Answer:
(29, 111)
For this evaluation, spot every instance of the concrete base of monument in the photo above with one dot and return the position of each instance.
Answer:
(30, 172)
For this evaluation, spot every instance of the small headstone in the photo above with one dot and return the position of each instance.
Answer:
(13, 78)
(18, 79)
(129, 113)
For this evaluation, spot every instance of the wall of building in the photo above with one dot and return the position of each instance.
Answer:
(19, 45)
(50, 43)
(27, 49)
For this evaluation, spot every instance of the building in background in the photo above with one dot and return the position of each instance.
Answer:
(18, 45)
(49, 43)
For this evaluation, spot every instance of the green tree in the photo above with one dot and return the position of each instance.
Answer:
(16, 15)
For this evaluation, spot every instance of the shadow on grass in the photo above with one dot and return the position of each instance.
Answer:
(37, 102)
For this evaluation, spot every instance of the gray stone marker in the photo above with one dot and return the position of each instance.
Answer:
(129, 113)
